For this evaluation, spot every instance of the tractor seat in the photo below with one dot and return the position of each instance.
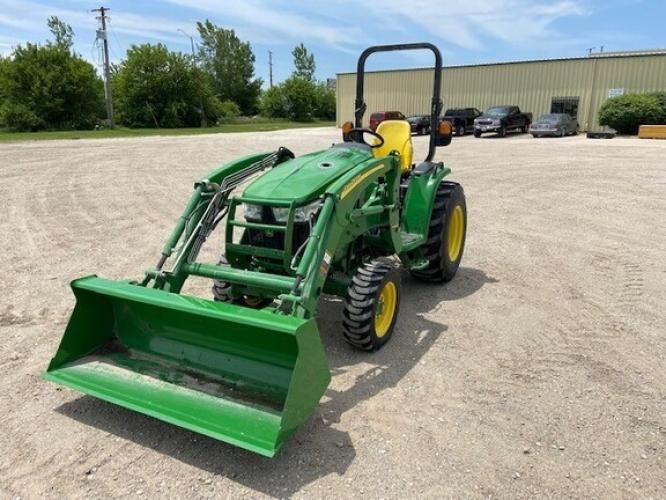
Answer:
(397, 136)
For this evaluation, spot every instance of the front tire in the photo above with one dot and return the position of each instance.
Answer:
(371, 306)
(501, 132)
(446, 235)
(477, 134)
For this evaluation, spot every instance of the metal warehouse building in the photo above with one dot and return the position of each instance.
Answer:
(576, 85)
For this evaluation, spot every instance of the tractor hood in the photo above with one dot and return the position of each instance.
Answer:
(307, 176)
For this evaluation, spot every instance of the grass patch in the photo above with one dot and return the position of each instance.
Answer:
(246, 125)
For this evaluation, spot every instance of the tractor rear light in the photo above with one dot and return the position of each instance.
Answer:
(347, 127)
(445, 128)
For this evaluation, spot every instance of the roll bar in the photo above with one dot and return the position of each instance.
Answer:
(436, 104)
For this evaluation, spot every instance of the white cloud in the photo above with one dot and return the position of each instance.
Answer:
(472, 25)
(279, 21)
(343, 25)
(28, 15)
(350, 24)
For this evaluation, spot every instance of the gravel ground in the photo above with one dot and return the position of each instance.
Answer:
(538, 371)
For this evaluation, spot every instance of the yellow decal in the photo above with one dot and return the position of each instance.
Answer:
(357, 180)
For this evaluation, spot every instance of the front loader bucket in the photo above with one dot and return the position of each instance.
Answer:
(244, 376)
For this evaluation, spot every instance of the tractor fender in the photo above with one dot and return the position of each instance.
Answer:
(420, 197)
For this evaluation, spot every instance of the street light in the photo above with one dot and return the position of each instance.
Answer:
(191, 41)
(198, 76)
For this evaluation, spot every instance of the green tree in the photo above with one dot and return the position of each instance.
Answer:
(628, 112)
(47, 87)
(4, 66)
(300, 97)
(274, 103)
(324, 105)
(293, 99)
(304, 63)
(155, 87)
(229, 63)
(62, 32)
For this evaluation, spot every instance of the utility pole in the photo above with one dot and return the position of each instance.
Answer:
(202, 112)
(102, 34)
(270, 68)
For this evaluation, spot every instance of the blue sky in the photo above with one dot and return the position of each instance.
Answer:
(467, 31)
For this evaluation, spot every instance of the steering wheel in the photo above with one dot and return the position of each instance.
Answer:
(357, 135)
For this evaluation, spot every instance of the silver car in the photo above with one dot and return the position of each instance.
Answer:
(555, 125)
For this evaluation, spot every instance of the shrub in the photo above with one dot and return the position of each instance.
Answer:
(298, 99)
(20, 118)
(324, 102)
(628, 112)
(227, 110)
(273, 103)
(661, 99)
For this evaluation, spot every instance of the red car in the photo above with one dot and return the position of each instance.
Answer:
(379, 116)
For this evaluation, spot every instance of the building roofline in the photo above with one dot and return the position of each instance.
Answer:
(595, 55)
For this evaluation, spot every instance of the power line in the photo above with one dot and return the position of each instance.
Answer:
(102, 35)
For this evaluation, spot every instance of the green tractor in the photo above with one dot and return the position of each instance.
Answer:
(249, 367)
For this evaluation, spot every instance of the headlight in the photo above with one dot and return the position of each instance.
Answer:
(301, 214)
(253, 212)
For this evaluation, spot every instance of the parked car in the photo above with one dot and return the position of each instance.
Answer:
(554, 124)
(379, 116)
(462, 119)
(502, 119)
(420, 124)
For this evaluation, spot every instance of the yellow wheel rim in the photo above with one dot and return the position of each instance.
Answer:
(454, 239)
(386, 306)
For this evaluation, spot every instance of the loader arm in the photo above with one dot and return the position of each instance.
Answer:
(202, 213)
(348, 212)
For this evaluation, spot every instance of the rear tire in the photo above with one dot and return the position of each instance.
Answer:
(460, 130)
(371, 306)
(222, 293)
(446, 236)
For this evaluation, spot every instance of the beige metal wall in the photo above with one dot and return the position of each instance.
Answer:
(530, 85)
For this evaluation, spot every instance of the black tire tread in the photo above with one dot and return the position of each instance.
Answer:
(359, 306)
(432, 248)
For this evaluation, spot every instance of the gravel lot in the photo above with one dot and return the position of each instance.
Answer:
(539, 371)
